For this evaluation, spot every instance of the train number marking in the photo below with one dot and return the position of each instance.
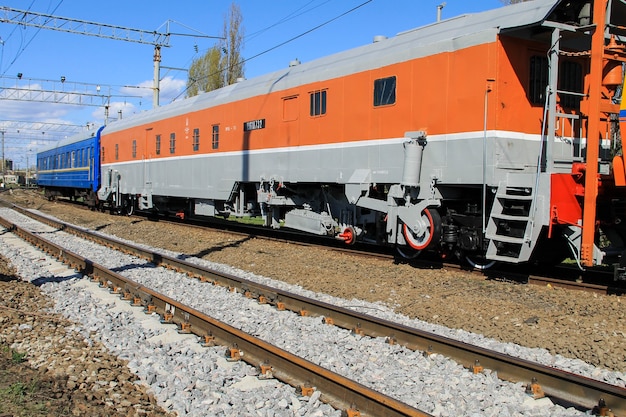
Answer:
(254, 125)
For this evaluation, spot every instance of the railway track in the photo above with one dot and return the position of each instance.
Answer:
(594, 281)
(572, 278)
(338, 391)
(560, 385)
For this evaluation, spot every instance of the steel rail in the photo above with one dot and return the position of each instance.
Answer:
(336, 390)
(610, 288)
(560, 385)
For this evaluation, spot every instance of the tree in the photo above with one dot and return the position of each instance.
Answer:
(222, 64)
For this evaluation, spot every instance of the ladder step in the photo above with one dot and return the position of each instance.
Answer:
(514, 197)
(505, 239)
(500, 258)
(510, 217)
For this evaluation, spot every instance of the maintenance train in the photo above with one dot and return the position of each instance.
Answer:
(489, 137)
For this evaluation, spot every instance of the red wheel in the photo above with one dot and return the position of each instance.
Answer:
(432, 233)
(348, 235)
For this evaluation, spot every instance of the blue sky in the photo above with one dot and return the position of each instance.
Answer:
(124, 70)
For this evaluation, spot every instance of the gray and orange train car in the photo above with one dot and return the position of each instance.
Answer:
(488, 137)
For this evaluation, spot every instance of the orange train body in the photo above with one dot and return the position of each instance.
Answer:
(467, 137)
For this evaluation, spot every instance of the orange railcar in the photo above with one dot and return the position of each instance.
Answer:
(469, 137)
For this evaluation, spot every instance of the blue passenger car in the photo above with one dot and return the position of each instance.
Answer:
(71, 167)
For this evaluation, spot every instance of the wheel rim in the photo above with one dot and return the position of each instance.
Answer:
(482, 264)
(421, 242)
(348, 235)
(407, 252)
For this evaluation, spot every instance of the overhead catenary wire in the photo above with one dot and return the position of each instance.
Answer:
(23, 48)
(243, 61)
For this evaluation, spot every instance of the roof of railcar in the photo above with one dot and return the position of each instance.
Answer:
(78, 137)
(447, 35)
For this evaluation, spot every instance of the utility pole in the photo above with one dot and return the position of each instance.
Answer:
(101, 30)
(4, 162)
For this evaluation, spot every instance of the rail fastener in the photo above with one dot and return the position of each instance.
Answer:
(534, 389)
(263, 299)
(233, 354)
(352, 412)
(602, 410)
(329, 321)
(280, 306)
(150, 308)
(266, 371)
(358, 331)
(185, 328)
(476, 368)
(167, 317)
(208, 340)
(305, 390)
(428, 352)
(392, 340)
(137, 302)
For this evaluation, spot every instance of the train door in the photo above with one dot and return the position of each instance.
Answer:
(145, 202)
(146, 158)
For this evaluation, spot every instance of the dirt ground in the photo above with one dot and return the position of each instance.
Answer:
(571, 323)
(66, 380)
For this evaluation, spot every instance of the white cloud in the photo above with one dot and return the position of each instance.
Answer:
(33, 111)
(169, 89)
(116, 109)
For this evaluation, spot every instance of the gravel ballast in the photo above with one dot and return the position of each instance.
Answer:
(573, 324)
(372, 369)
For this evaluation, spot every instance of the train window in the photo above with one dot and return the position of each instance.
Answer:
(538, 79)
(215, 137)
(318, 102)
(571, 81)
(384, 91)
(157, 144)
(172, 142)
(134, 148)
(196, 139)
(117, 151)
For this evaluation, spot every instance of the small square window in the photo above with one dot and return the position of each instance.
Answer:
(318, 103)
(385, 91)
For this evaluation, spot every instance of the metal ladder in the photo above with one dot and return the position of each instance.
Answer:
(511, 227)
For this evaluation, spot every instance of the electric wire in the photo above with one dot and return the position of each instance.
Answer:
(23, 48)
(280, 44)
